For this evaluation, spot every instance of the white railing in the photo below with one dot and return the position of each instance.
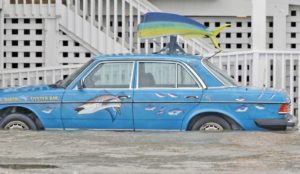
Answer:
(118, 19)
(22, 77)
(271, 69)
(84, 24)
(102, 26)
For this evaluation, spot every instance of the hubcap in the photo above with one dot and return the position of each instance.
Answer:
(211, 127)
(16, 125)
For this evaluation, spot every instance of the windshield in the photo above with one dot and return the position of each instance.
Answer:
(64, 83)
(219, 74)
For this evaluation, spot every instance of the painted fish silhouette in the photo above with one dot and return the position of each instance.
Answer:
(150, 107)
(103, 102)
(259, 106)
(240, 99)
(172, 95)
(160, 95)
(47, 110)
(175, 112)
(242, 108)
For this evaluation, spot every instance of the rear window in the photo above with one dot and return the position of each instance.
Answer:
(219, 74)
(164, 75)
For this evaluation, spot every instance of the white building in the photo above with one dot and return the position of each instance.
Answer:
(43, 40)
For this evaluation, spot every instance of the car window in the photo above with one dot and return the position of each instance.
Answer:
(157, 75)
(110, 75)
(220, 74)
(64, 83)
(184, 79)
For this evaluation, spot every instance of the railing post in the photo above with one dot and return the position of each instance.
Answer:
(259, 70)
(51, 35)
(57, 7)
(259, 28)
(1, 36)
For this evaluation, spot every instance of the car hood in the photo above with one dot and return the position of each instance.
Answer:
(245, 94)
(24, 89)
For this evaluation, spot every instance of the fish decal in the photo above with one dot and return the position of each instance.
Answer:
(259, 106)
(25, 98)
(175, 112)
(47, 110)
(160, 95)
(103, 102)
(150, 107)
(161, 111)
(240, 99)
(207, 97)
(261, 94)
(172, 95)
(157, 24)
(242, 108)
(272, 96)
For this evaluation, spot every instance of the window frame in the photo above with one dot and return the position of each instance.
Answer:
(189, 70)
(104, 62)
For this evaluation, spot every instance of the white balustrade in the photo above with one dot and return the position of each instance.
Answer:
(280, 71)
(45, 75)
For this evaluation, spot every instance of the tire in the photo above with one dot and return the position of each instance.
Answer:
(17, 121)
(211, 124)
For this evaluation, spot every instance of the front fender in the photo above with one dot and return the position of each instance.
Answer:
(47, 120)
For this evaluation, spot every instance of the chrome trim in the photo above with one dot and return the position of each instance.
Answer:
(204, 86)
(167, 88)
(184, 65)
(103, 62)
(244, 102)
(59, 102)
(100, 129)
(54, 129)
(221, 87)
(159, 130)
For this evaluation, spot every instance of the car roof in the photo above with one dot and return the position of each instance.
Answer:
(178, 57)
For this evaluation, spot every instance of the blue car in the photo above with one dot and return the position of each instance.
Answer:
(146, 92)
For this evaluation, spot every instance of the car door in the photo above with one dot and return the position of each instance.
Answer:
(165, 93)
(104, 100)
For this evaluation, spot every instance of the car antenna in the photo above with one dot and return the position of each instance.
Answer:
(217, 52)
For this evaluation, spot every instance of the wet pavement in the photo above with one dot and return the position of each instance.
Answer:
(149, 152)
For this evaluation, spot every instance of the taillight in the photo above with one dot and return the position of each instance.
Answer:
(284, 108)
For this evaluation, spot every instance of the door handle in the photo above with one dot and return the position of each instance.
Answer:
(191, 97)
(123, 97)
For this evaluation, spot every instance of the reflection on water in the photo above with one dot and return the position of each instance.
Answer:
(149, 152)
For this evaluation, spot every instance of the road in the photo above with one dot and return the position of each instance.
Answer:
(149, 152)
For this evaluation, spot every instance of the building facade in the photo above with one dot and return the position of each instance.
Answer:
(40, 33)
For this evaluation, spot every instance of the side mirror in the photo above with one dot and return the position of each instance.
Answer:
(81, 84)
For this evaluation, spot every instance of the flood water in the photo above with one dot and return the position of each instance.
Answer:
(149, 152)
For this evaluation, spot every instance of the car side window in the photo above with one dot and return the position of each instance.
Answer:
(157, 75)
(184, 79)
(110, 75)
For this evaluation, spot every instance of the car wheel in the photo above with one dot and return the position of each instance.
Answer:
(211, 124)
(17, 122)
